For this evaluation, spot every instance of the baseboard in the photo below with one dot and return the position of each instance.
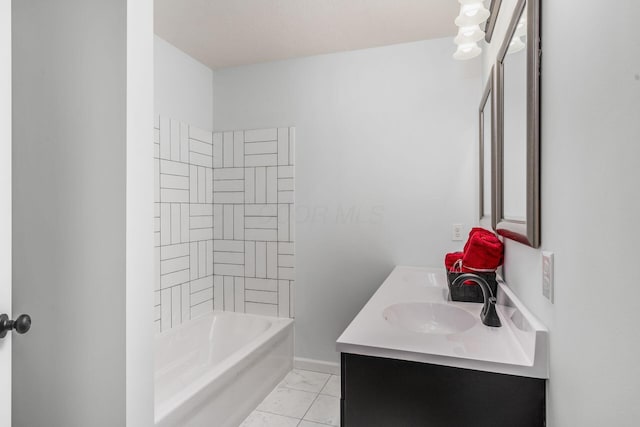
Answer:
(316, 365)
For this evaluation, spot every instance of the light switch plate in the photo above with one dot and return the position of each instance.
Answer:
(547, 275)
(456, 233)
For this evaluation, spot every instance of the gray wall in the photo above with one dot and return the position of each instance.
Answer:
(69, 247)
(590, 209)
(384, 159)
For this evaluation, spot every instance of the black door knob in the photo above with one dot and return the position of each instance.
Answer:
(21, 325)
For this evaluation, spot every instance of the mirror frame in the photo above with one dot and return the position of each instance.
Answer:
(493, 17)
(488, 91)
(527, 231)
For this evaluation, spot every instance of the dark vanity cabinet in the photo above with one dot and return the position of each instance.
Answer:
(380, 392)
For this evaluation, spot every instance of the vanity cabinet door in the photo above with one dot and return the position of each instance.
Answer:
(379, 392)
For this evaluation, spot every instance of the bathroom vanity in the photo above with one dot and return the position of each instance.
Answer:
(411, 357)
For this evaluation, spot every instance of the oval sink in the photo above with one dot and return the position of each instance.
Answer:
(429, 318)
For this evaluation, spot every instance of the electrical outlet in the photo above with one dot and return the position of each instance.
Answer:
(547, 275)
(456, 235)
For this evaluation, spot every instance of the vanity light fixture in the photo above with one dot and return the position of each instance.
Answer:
(472, 15)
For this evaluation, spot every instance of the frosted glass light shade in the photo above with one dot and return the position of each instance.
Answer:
(472, 12)
(470, 34)
(467, 51)
(516, 45)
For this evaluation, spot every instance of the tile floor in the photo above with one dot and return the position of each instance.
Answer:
(302, 399)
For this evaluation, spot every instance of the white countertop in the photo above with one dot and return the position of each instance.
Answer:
(519, 347)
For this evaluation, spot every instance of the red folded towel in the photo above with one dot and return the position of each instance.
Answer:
(476, 231)
(452, 258)
(483, 251)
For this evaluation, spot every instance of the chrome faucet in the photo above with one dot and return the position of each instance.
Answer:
(488, 315)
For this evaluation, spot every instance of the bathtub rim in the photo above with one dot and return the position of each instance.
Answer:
(276, 331)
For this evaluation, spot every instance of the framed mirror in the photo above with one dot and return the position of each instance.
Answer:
(494, 7)
(485, 155)
(518, 127)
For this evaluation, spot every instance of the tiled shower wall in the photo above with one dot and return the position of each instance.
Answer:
(224, 222)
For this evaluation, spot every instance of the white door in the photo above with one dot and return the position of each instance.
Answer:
(5, 206)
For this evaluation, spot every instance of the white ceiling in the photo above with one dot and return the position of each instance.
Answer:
(225, 33)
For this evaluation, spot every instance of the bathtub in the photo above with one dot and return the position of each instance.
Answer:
(215, 369)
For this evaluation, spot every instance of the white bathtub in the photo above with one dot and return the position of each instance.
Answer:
(214, 370)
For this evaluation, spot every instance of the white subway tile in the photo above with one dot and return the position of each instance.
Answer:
(239, 294)
(193, 184)
(227, 149)
(261, 160)
(218, 231)
(175, 224)
(174, 264)
(168, 195)
(249, 259)
(165, 223)
(176, 306)
(260, 135)
(193, 260)
(238, 222)
(156, 180)
(272, 260)
(261, 284)
(286, 273)
(209, 266)
(229, 185)
(259, 234)
(165, 140)
(228, 197)
(228, 245)
(201, 234)
(229, 269)
(285, 184)
(270, 147)
(202, 284)
(218, 292)
(184, 142)
(283, 298)
(238, 149)
(202, 258)
(261, 309)
(283, 146)
(208, 185)
(261, 296)
(156, 268)
(292, 146)
(201, 148)
(228, 222)
(229, 293)
(249, 185)
(165, 308)
(174, 251)
(292, 223)
(175, 140)
(200, 134)
(184, 223)
(201, 222)
(228, 257)
(286, 261)
(261, 221)
(260, 210)
(173, 279)
(202, 185)
(201, 209)
(185, 305)
(272, 184)
(174, 168)
(285, 197)
(228, 173)
(217, 150)
(201, 309)
(285, 248)
(201, 296)
(286, 172)
(200, 160)
(283, 222)
(261, 259)
(261, 185)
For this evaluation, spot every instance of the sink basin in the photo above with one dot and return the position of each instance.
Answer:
(429, 318)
